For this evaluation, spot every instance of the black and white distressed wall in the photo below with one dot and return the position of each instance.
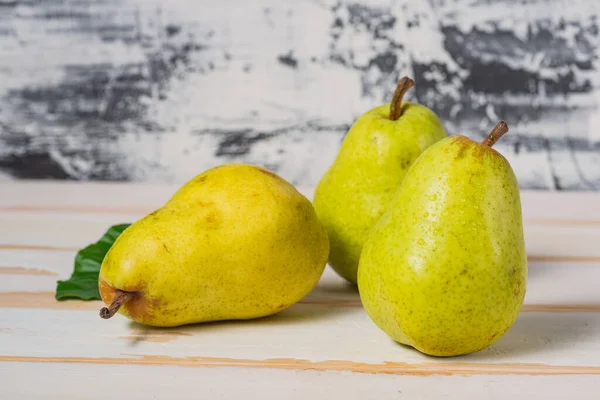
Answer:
(149, 90)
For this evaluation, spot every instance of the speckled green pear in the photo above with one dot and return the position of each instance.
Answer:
(370, 165)
(444, 270)
(235, 242)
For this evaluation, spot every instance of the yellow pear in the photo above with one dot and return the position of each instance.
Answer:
(372, 161)
(235, 242)
(445, 268)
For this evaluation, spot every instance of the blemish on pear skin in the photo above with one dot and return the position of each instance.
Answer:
(212, 219)
(267, 172)
(141, 308)
(166, 248)
(201, 179)
(463, 143)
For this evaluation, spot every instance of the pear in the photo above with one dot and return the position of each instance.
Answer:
(235, 242)
(371, 163)
(444, 270)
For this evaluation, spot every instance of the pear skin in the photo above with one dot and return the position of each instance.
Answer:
(235, 242)
(445, 268)
(373, 158)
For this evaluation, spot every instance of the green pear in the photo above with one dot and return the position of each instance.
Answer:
(235, 242)
(444, 269)
(371, 163)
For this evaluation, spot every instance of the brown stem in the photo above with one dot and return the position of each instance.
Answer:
(120, 299)
(499, 130)
(396, 106)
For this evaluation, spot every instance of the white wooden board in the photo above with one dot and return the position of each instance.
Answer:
(325, 346)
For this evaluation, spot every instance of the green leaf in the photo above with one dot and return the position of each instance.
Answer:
(83, 283)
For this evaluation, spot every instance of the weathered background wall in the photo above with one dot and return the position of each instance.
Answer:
(149, 90)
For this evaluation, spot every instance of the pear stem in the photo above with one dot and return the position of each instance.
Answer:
(396, 105)
(499, 130)
(120, 299)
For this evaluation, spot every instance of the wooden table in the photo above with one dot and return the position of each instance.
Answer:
(325, 347)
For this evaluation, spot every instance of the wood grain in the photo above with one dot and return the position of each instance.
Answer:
(423, 369)
(6, 246)
(44, 300)
(25, 271)
(567, 259)
(304, 332)
(55, 381)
